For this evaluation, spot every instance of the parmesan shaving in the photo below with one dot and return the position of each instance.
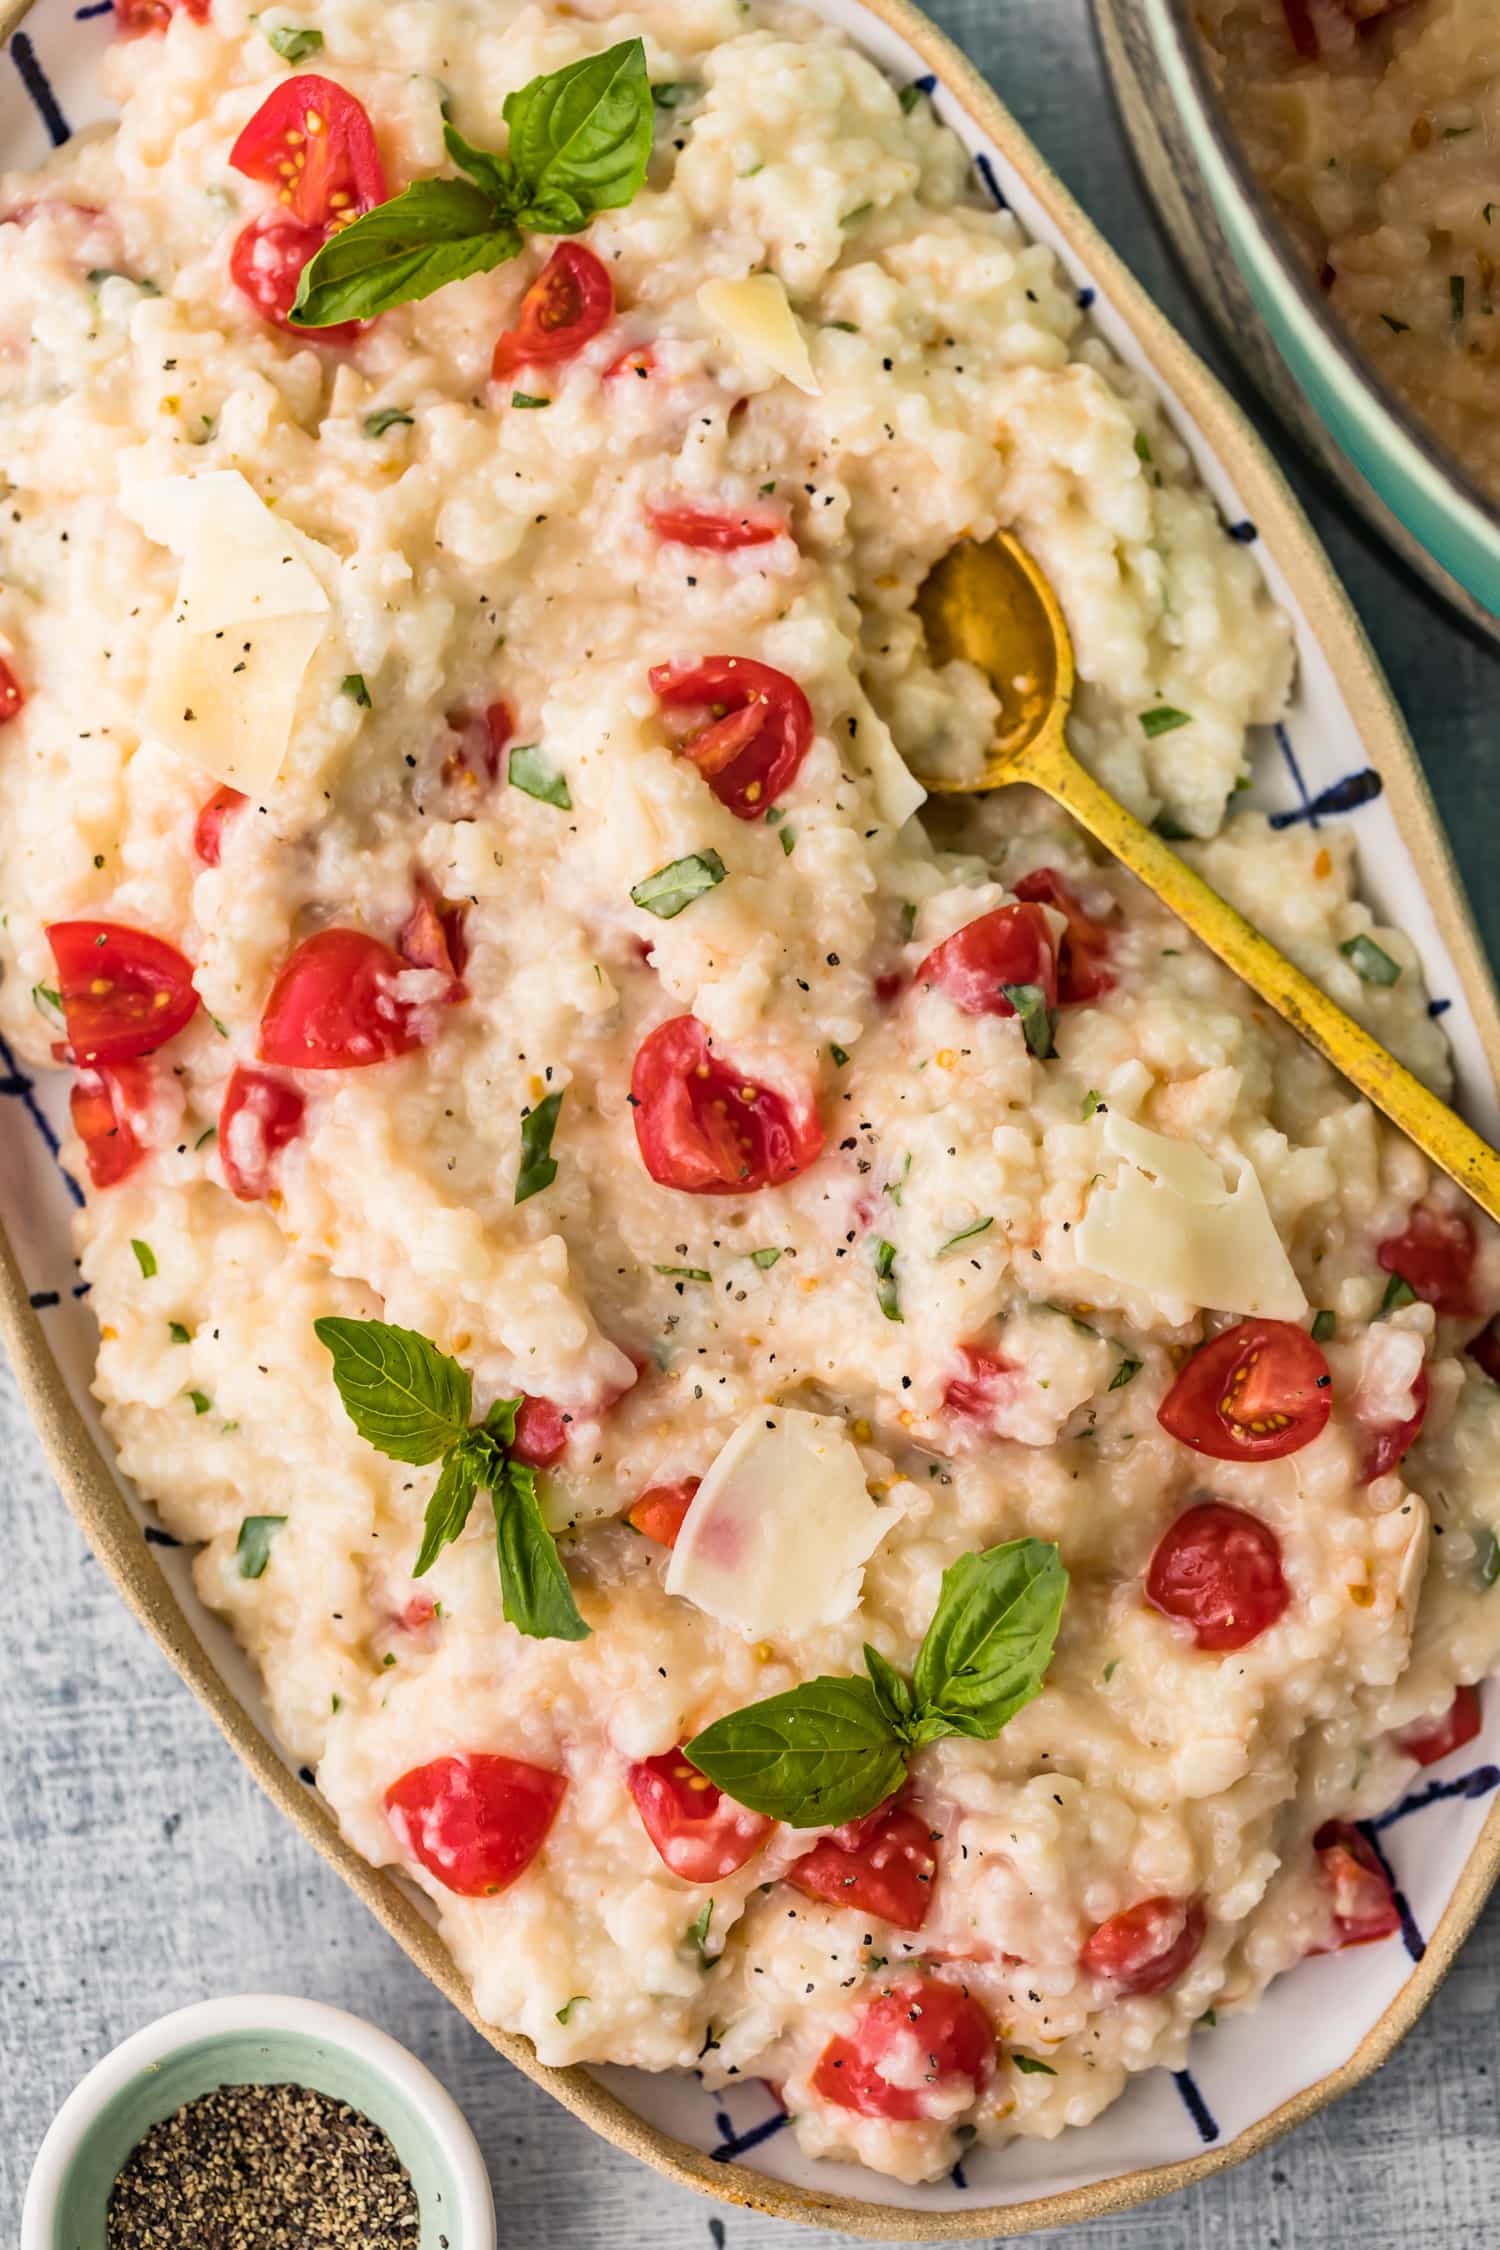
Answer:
(754, 314)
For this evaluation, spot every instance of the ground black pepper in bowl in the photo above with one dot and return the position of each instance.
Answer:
(263, 2168)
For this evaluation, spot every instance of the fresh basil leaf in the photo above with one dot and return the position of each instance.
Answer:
(534, 1589)
(887, 1288)
(1370, 961)
(435, 232)
(145, 1258)
(525, 399)
(178, 1333)
(1027, 2064)
(495, 174)
(500, 1422)
(1030, 1004)
(553, 211)
(964, 1234)
(1163, 720)
(820, 1754)
(697, 1931)
(538, 1167)
(991, 1639)
(892, 1692)
(405, 1397)
(252, 1549)
(201, 1401)
(293, 44)
(1398, 1292)
(586, 129)
(671, 93)
(676, 885)
(528, 770)
(385, 418)
(451, 1504)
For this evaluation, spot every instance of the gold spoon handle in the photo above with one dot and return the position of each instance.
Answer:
(1451, 1144)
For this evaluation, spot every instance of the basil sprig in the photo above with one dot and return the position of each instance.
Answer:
(832, 1749)
(413, 1403)
(580, 141)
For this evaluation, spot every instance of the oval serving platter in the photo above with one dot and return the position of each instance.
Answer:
(1342, 753)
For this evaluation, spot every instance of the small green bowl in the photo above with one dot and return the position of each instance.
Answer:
(255, 2039)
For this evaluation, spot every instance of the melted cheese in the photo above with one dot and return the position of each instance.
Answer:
(227, 667)
(1169, 1224)
(781, 1527)
(755, 316)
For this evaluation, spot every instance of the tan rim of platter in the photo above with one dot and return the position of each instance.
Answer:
(94, 1498)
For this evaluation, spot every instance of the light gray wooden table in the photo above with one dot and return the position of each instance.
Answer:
(140, 1869)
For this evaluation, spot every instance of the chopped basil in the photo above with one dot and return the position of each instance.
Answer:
(1030, 1004)
(840, 1056)
(204, 1138)
(529, 771)
(1398, 1292)
(893, 1188)
(1029, 2066)
(765, 1259)
(566, 2010)
(1323, 1326)
(1110, 1670)
(1163, 720)
(846, 327)
(1126, 1372)
(252, 1550)
(788, 841)
(525, 398)
(860, 211)
(1456, 294)
(696, 1932)
(1143, 447)
(178, 1333)
(1091, 1103)
(145, 1257)
(964, 1234)
(1489, 1560)
(887, 1289)
(671, 93)
(294, 45)
(911, 95)
(221, 1028)
(353, 685)
(1370, 960)
(202, 1403)
(676, 885)
(1399, 327)
(538, 1167)
(386, 418)
(908, 917)
(684, 1273)
(48, 1004)
(1208, 2021)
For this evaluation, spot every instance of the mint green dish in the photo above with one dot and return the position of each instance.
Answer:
(1275, 321)
(257, 2039)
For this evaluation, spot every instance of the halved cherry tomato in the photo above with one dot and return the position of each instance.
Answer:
(432, 937)
(260, 1116)
(1256, 1393)
(1146, 1947)
(208, 828)
(1364, 1904)
(334, 1005)
(1219, 1570)
(638, 360)
(474, 1822)
(699, 1833)
(1082, 960)
(104, 1104)
(750, 727)
(704, 1128)
(571, 299)
(719, 531)
(12, 694)
(124, 992)
(987, 1383)
(1012, 946)
(133, 16)
(660, 1509)
(1431, 1739)
(541, 1432)
(1390, 1446)
(884, 1865)
(314, 144)
(930, 2033)
(1434, 1254)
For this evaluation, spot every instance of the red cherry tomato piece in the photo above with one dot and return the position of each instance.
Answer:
(1390, 1446)
(571, 299)
(1145, 1948)
(1259, 1391)
(334, 1005)
(717, 530)
(882, 1865)
(1432, 1739)
(1364, 1905)
(751, 727)
(1303, 31)
(124, 992)
(930, 2034)
(987, 1384)
(541, 1432)
(474, 1822)
(660, 1509)
(314, 144)
(1434, 1254)
(432, 937)
(12, 694)
(260, 1116)
(104, 1105)
(1219, 1570)
(1013, 946)
(704, 1128)
(1083, 971)
(135, 16)
(699, 1833)
(208, 828)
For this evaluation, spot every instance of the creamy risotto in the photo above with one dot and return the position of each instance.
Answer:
(1376, 126)
(605, 1209)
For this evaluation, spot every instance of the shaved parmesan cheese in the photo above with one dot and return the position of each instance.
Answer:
(897, 791)
(228, 667)
(781, 1527)
(755, 315)
(1169, 1224)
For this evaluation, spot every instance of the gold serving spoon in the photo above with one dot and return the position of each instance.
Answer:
(991, 604)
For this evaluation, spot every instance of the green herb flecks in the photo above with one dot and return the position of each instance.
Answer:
(538, 1166)
(353, 685)
(1126, 1372)
(671, 93)
(684, 1273)
(386, 418)
(1163, 719)
(1370, 960)
(1030, 1004)
(526, 399)
(528, 770)
(696, 1933)
(675, 886)
(887, 1289)
(1029, 2066)
(145, 1258)
(765, 1259)
(252, 1550)
(1323, 1326)
(293, 44)
(564, 2013)
(1398, 1292)
(964, 1234)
